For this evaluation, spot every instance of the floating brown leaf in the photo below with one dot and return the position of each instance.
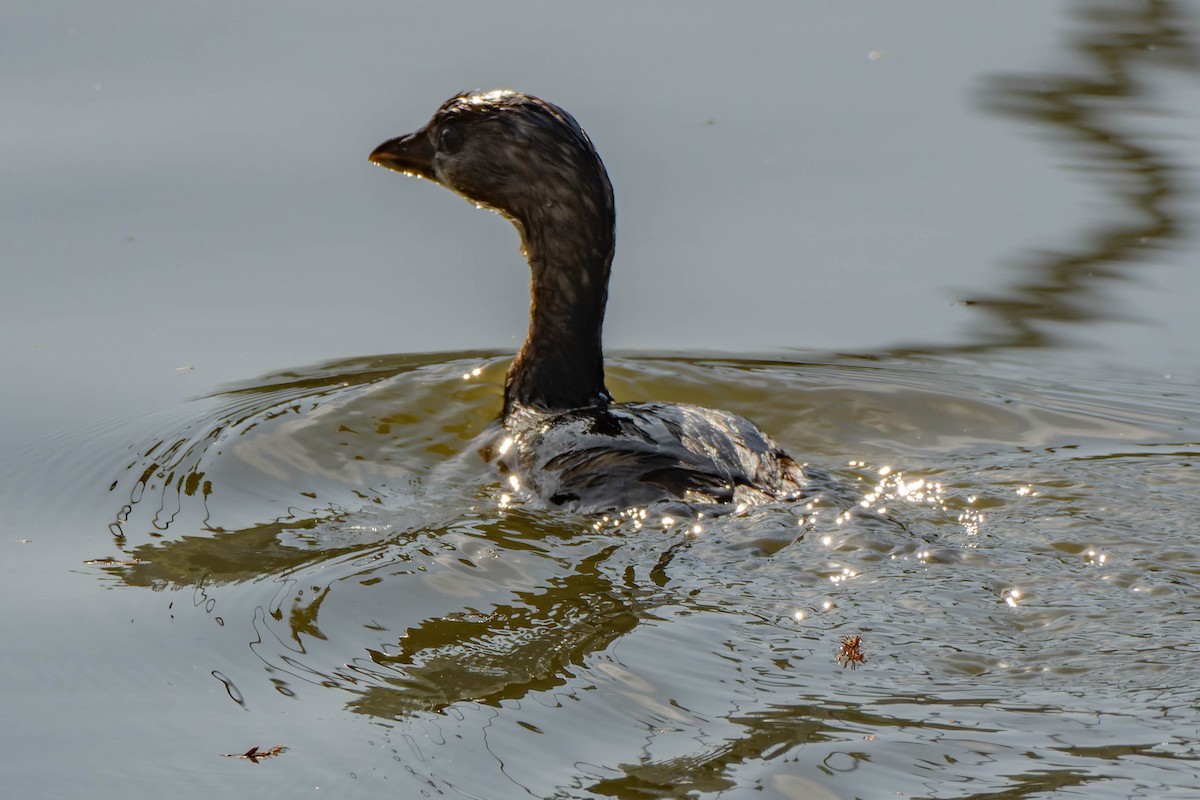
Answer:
(254, 754)
(850, 654)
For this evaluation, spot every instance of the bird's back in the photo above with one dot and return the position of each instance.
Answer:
(627, 455)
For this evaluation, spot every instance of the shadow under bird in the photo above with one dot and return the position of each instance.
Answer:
(561, 438)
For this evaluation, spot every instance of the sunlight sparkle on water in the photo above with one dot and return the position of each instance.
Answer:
(894, 487)
(634, 515)
(1011, 596)
(845, 574)
(971, 520)
(475, 373)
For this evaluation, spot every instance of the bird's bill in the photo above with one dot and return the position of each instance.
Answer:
(411, 154)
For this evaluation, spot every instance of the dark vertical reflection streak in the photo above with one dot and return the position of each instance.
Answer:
(1119, 43)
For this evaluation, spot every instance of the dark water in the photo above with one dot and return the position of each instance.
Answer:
(944, 251)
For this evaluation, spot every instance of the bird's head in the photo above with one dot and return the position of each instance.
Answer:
(513, 153)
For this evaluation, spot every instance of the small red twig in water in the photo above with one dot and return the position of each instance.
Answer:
(850, 654)
(254, 754)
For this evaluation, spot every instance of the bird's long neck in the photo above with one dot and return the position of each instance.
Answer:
(569, 243)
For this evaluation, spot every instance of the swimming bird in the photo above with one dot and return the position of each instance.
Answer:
(563, 440)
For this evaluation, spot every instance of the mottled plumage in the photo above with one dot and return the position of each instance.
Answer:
(564, 440)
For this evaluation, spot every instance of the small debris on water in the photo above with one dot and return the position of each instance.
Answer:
(254, 754)
(850, 654)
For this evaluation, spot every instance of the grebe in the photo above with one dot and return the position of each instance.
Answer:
(564, 440)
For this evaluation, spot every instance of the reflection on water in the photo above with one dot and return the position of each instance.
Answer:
(1022, 605)
(272, 435)
(1016, 550)
(1099, 113)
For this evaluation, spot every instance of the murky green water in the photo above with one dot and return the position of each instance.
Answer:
(960, 236)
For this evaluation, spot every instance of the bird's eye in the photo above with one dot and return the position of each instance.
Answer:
(450, 140)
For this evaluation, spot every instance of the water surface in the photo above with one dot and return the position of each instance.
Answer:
(944, 251)
(1016, 557)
